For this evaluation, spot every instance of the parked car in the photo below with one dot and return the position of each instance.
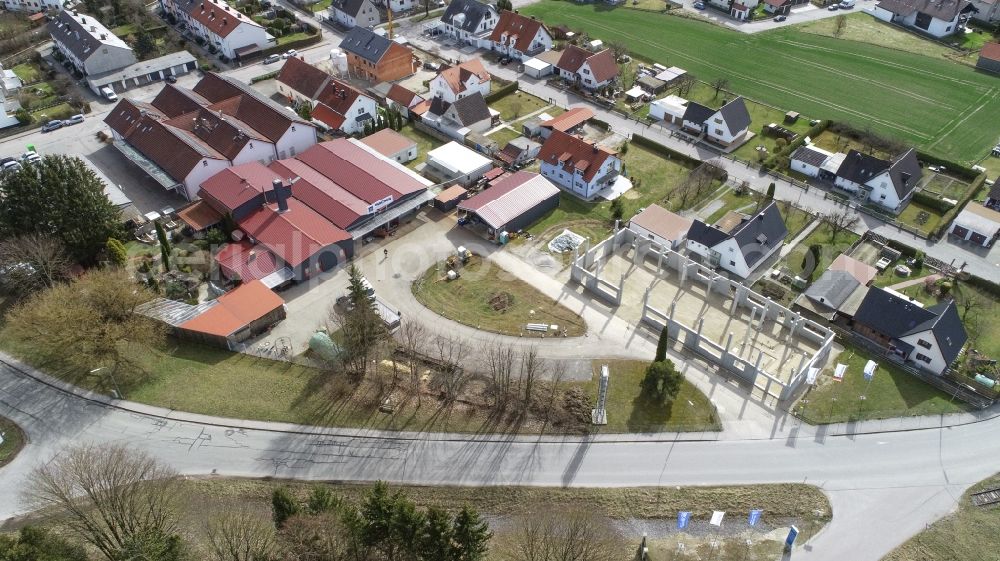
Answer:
(428, 65)
(780, 18)
(31, 157)
(699, 5)
(52, 125)
(834, 7)
(74, 120)
(171, 79)
(504, 61)
(846, 4)
(3, 161)
(109, 94)
(289, 53)
(271, 59)
(11, 166)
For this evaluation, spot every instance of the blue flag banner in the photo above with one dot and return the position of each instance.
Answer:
(754, 516)
(683, 517)
(793, 533)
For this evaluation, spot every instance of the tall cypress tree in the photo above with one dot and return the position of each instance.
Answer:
(661, 345)
(161, 235)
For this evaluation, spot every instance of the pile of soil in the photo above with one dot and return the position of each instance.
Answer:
(501, 301)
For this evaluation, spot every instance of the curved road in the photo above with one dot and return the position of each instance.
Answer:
(883, 487)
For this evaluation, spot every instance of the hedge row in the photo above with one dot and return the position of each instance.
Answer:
(932, 201)
(813, 132)
(602, 124)
(984, 284)
(964, 172)
(901, 248)
(665, 151)
(502, 92)
(976, 184)
(263, 77)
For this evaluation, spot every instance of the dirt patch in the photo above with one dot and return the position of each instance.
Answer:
(501, 301)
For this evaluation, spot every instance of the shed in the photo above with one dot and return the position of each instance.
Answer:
(651, 84)
(989, 58)
(449, 198)
(392, 145)
(513, 203)
(537, 68)
(636, 93)
(456, 163)
(791, 117)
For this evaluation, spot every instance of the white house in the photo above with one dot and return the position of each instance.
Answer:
(465, 79)
(342, 107)
(578, 166)
(809, 160)
(350, 13)
(221, 26)
(469, 21)
(301, 82)
(401, 99)
(740, 9)
(85, 42)
(726, 126)
(739, 246)
(392, 145)
(977, 224)
(401, 5)
(519, 37)
(589, 70)
(456, 163)
(34, 5)
(938, 18)
(670, 109)
(888, 183)
(661, 226)
(467, 114)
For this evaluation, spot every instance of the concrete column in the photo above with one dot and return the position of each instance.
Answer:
(621, 288)
(684, 274)
(746, 334)
(794, 327)
(802, 364)
(659, 262)
(670, 311)
(645, 300)
(756, 364)
(729, 342)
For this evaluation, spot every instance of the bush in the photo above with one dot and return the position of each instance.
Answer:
(212, 49)
(23, 116)
(503, 91)
(664, 151)
(932, 201)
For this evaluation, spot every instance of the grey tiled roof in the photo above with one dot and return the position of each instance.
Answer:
(736, 115)
(366, 44)
(471, 14)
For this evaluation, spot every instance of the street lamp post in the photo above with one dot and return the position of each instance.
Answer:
(117, 392)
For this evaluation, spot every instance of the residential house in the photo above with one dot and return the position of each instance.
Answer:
(470, 21)
(578, 166)
(778, 6)
(341, 107)
(88, 45)
(587, 69)
(34, 5)
(726, 126)
(987, 11)
(183, 137)
(989, 58)
(233, 33)
(938, 18)
(392, 145)
(10, 82)
(398, 6)
(373, 57)
(661, 226)
(739, 10)
(467, 114)
(844, 281)
(977, 224)
(993, 197)
(402, 99)
(811, 160)
(351, 13)
(742, 245)
(458, 81)
(569, 122)
(929, 338)
(519, 37)
(888, 183)
(300, 81)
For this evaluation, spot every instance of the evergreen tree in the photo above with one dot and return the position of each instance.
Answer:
(283, 506)
(161, 235)
(323, 500)
(661, 345)
(617, 210)
(662, 381)
(435, 540)
(144, 43)
(117, 254)
(39, 544)
(770, 194)
(377, 512)
(471, 536)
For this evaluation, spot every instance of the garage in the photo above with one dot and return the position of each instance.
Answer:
(511, 205)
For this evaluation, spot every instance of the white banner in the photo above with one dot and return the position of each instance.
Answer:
(717, 516)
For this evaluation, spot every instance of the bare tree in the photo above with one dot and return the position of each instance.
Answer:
(451, 375)
(412, 334)
(110, 496)
(719, 84)
(685, 84)
(530, 372)
(618, 48)
(31, 263)
(563, 535)
(240, 533)
(318, 537)
(839, 220)
(840, 25)
(500, 366)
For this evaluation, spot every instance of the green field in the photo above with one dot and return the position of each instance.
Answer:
(941, 106)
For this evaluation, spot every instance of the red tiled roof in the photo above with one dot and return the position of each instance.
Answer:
(572, 58)
(388, 142)
(335, 102)
(574, 153)
(603, 65)
(324, 114)
(219, 18)
(294, 235)
(168, 148)
(227, 135)
(199, 215)
(234, 98)
(364, 174)
(245, 261)
(127, 114)
(235, 310)
(521, 28)
(333, 202)
(403, 96)
(237, 185)
(862, 272)
(421, 108)
(303, 77)
(570, 119)
(173, 101)
(662, 222)
(452, 193)
(456, 76)
(990, 51)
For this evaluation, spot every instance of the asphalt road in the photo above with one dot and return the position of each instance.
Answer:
(883, 487)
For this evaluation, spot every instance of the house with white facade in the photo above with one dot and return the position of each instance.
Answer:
(661, 226)
(233, 33)
(519, 37)
(928, 338)
(458, 81)
(738, 10)
(467, 114)
(350, 13)
(340, 106)
(588, 69)
(739, 244)
(938, 18)
(726, 126)
(87, 44)
(34, 6)
(888, 183)
(577, 166)
(183, 137)
(398, 6)
(469, 21)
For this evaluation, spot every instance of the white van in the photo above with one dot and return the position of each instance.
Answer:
(109, 93)
(847, 4)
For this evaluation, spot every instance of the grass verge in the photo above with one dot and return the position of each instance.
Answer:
(13, 440)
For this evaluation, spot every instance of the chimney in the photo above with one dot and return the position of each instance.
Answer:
(225, 21)
(279, 195)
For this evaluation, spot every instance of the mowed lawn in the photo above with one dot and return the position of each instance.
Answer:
(943, 107)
